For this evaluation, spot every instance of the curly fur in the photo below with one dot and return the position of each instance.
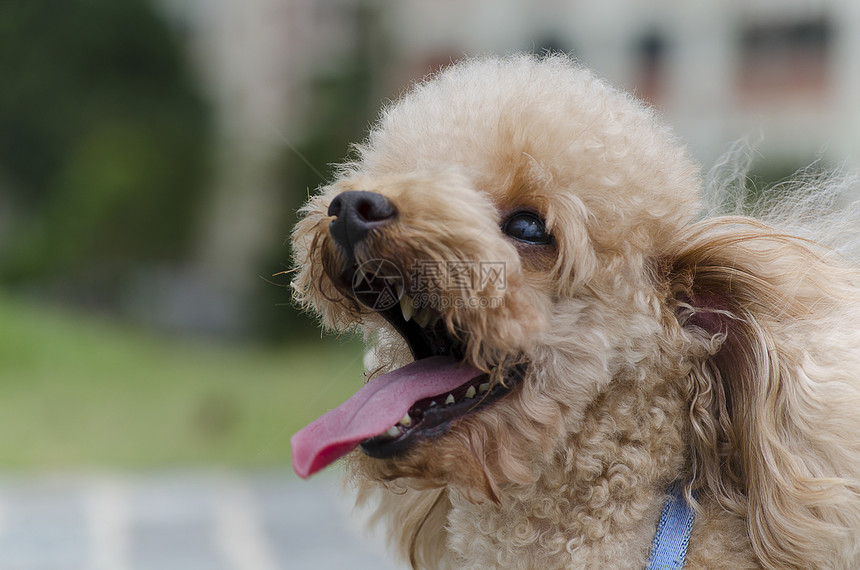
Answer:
(661, 344)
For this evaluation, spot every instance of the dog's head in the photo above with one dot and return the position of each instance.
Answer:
(499, 227)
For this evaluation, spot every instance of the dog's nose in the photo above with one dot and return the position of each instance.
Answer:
(357, 213)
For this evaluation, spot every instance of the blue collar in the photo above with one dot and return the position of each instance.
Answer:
(673, 533)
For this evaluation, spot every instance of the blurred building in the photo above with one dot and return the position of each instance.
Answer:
(787, 71)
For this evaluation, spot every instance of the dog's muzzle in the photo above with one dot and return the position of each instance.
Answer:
(357, 212)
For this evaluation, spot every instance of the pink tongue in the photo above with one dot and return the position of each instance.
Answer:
(373, 409)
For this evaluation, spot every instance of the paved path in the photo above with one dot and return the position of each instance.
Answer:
(181, 521)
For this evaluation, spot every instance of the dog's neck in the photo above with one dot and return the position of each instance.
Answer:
(597, 502)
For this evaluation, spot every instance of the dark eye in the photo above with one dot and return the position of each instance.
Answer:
(527, 227)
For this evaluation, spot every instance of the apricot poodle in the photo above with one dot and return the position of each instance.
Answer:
(568, 354)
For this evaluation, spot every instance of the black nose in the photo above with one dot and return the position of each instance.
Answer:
(357, 213)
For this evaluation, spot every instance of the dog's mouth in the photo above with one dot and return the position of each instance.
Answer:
(394, 412)
(430, 417)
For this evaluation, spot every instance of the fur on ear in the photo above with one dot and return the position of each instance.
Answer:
(772, 324)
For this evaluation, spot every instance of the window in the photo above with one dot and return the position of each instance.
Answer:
(785, 60)
(650, 51)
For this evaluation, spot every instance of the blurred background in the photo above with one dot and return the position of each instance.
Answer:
(153, 154)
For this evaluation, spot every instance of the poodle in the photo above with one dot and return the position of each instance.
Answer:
(565, 345)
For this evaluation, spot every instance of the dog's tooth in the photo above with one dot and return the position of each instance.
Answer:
(393, 431)
(484, 388)
(433, 404)
(423, 317)
(406, 421)
(449, 400)
(360, 276)
(407, 307)
(470, 393)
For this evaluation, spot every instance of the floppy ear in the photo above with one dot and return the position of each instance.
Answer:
(772, 329)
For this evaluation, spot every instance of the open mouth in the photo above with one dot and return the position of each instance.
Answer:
(380, 286)
(430, 417)
(426, 333)
(392, 413)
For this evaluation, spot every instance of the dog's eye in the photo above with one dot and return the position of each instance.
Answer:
(527, 227)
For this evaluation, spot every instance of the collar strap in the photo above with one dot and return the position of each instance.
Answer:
(673, 533)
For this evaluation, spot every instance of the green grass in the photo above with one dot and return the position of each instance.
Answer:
(76, 391)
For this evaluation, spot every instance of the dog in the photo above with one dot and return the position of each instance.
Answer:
(565, 346)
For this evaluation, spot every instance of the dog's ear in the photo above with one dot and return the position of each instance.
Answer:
(772, 383)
